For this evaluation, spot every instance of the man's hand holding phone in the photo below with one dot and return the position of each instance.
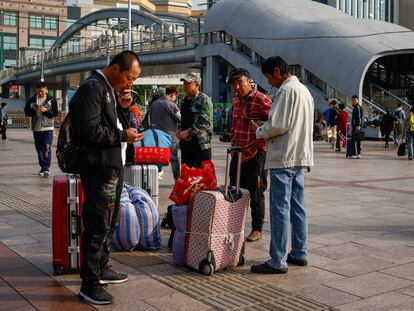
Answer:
(133, 136)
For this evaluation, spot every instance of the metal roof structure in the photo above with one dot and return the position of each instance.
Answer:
(334, 46)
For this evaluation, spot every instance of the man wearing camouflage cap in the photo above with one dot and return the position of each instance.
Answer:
(196, 123)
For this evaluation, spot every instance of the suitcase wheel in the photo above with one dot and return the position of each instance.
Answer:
(58, 269)
(242, 261)
(207, 269)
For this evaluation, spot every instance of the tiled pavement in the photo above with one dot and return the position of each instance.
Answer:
(361, 241)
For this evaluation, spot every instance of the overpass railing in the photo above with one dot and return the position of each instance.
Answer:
(92, 49)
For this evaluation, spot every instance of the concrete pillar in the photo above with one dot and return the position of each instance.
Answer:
(65, 86)
(5, 91)
(29, 91)
(211, 78)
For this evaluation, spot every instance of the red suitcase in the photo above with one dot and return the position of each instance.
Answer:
(67, 223)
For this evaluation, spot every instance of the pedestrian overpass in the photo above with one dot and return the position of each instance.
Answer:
(334, 54)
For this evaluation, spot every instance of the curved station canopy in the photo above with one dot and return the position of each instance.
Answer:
(334, 46)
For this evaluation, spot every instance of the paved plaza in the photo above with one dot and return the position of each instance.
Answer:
(361, 244)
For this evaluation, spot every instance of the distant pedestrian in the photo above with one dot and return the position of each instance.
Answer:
(3, 120)
(341, 126)
(387, 125)
(43, 109)
(165, 115)
(399, 124)
(333, 116)
(410, 134)
(219, 120)
(250, 105)
(357, 131)
(290, 150)
(196, 123)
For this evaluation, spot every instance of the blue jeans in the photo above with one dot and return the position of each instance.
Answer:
(410, 144)
(287, 205)
(43, 143)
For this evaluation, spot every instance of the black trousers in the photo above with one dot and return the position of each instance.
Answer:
(387, 134)
(192, 154)
(100, 217)
(3, 130)
(356, 143)
(253, 178)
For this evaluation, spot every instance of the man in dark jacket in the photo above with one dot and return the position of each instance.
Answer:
(43, 109)
(357, 131)
(99, 131)
(387, 125)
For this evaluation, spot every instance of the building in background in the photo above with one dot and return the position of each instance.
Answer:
(406, 9)
(173, 6)
(385, 10)
(26, 24)
(394, 11)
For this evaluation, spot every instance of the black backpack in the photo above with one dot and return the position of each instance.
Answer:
(68, 150)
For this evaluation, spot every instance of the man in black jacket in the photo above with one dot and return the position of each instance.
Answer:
(43, 109)
(99, 131)
(357, 131)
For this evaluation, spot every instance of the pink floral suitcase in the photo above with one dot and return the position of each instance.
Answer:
(216, 222)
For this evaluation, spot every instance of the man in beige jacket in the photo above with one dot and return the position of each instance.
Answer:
(289, 150)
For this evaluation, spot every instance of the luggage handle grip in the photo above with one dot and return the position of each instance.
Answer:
(239, 151)
(77, 219)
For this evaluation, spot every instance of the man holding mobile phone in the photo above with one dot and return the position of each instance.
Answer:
(249, 107)
(43, 109)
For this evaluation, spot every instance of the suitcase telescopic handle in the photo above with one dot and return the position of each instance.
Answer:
(238, 151)
(77, 219)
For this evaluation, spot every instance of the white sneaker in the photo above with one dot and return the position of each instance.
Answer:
(41, 173)
(46, 173)
(358, 156)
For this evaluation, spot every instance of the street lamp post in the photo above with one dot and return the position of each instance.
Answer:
(129, 26)
(42, 76)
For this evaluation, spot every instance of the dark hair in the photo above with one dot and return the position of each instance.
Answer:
(125, 60)
(3, 104)
(355, 96)
(399, 105)
(333, 102)
(341, 106)
(41, 85)
(171, 89)
(269, 65)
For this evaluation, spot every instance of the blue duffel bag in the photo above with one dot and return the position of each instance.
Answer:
(180, 218)
(127, 233)
(154, 148)
(149, 219)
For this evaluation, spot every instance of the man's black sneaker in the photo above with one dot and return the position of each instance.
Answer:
(95, 294)
(266, 269)
(297, 262)
(109, 276)
(46, 173)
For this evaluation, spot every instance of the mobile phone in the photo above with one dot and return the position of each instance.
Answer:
(143, 129)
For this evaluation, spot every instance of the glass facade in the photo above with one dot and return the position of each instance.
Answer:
(8, 50)
(50, 22)
(370, 9)
(9, 19)
(41, 42)
(35, 21)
